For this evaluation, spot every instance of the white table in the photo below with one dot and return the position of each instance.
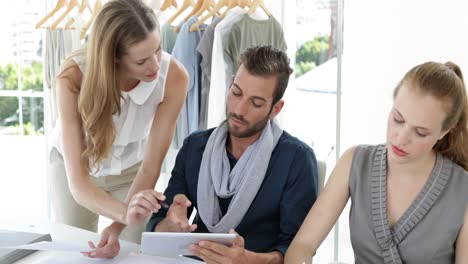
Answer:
(76, 235)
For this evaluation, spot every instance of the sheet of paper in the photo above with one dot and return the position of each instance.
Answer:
(145, 259)
(54, 246)
(63, 257)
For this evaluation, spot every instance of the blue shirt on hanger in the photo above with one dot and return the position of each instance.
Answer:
(185, 51)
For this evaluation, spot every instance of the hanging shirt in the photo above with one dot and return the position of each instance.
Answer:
(216, 111)
(168, 38)
(185, 51)
(60, 43)
(221, 67)
(133, 124)
(205, 48)
(249, 32)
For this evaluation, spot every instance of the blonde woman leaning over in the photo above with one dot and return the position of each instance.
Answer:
(118, 103)
(410, 195)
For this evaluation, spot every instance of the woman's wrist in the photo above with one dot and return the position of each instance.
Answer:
(117, 226)
(121, 217)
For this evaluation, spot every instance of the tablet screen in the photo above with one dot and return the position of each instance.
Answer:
(174, 244)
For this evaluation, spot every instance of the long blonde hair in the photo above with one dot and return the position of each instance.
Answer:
(119, 24)
(445, 82)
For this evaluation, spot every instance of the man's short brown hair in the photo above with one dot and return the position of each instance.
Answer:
(268, 61)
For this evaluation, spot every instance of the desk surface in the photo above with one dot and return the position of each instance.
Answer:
(69, 233)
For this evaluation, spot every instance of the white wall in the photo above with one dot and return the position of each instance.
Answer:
(382, 41)
(23, 189)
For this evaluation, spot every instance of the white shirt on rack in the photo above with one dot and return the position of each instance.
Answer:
(221, 68)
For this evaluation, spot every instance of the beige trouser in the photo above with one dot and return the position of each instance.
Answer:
(67, 211)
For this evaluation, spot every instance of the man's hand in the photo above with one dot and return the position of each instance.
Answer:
(212, 252)
(109, 245)
(176, 218)
(142, 205)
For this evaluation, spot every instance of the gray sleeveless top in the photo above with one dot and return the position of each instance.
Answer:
(427, 231)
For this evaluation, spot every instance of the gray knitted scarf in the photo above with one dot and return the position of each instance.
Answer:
(241, 183)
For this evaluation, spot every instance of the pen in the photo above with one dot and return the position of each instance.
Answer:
(163, 204)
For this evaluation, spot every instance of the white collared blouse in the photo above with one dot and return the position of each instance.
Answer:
(133, 125)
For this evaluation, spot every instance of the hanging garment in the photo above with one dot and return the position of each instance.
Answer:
(249, 32)
(222, 68)
(168, 38)
(59, 44)
(205, 48)
(216, 108)
(185, 51)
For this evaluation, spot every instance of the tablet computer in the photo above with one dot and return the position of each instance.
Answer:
(174, 244)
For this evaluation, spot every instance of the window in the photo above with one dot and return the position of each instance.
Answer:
(21, 82)
(310, 101)
(22, 138)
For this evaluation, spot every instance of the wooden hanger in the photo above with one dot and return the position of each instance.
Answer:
(232, 4)
(207, 5)
(196, 9)
(72, 4)
(213, 11)
(244, 3)
(96, 9)
(167, 4)
(60, 5)
(202, 6)
(186, 4)
(82, 8)
(258, 3)
(85, 4)
(198, 6)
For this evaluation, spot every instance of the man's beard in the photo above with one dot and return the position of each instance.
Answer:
(250, 130)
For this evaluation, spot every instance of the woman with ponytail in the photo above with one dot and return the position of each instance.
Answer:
(409, 196)
(118, 102)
